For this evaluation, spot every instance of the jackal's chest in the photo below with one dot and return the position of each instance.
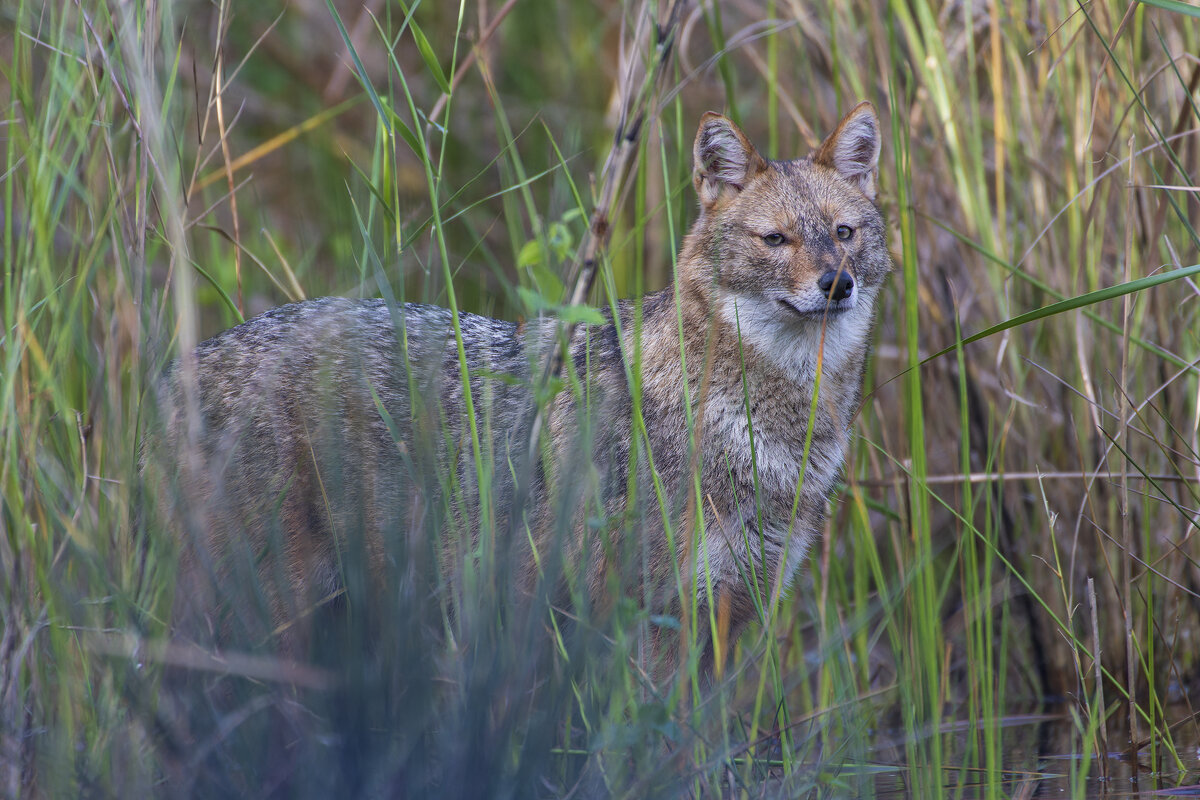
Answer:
(763, 452)
(766, 483)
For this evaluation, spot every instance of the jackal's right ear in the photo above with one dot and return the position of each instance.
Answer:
(725, 159)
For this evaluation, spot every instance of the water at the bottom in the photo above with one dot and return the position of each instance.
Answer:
(1042, 757)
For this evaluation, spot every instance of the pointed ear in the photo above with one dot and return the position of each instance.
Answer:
(853, 148)
(725, 159)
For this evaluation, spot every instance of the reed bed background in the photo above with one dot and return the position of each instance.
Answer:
(1017, 533)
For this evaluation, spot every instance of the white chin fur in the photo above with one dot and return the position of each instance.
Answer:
(791, 342)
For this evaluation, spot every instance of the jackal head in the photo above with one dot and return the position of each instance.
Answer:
(786, 245)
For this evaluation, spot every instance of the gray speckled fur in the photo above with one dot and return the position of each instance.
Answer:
(291, 453)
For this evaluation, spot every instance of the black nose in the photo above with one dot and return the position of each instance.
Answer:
(836, 285)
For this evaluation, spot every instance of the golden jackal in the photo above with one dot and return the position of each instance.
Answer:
(321, 437)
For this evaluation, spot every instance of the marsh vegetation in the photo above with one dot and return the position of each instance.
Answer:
(1011, 571)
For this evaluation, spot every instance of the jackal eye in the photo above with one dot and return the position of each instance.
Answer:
(844, 232)
(774, 239)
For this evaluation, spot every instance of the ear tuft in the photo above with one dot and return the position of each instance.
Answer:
(724, 158)
(853, 148)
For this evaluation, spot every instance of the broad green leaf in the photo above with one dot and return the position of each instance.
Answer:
(533, 301)
(426, 50)
(530, 255)
(1174, 5)
(585, 314)
(558, 236)
(549, 284)
(1072, 303)
(358, 65)
(405, 132)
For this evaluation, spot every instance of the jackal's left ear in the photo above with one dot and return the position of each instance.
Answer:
(853, 148)
(725, 159)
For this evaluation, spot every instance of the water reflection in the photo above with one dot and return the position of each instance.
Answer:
(1042, 756)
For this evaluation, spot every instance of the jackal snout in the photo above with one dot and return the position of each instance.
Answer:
(836, 284)
(835, 274)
